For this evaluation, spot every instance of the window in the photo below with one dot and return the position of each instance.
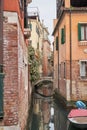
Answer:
(62, 35)
(56, 43)
(64, 70)
(83, 69)
(30, 26)
(37, 31)
(59, 70)
(82, 32)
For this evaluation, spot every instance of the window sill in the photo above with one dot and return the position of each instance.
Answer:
(83, 43)
(83, 79)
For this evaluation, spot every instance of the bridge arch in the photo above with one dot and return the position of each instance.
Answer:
(45, 82)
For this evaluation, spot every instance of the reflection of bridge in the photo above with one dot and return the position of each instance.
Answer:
(44, 80)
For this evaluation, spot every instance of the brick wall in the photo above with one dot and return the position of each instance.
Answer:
(16, 75)
(79, 86)
(22, 79)
(11, 74)
(62, 83)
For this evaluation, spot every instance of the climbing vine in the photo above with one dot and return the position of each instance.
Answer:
(34, 64)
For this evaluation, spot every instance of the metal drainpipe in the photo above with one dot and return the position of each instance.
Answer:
(70, 55)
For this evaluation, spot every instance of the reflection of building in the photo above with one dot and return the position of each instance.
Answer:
(14, 61)
(70, 54)
(42, 102)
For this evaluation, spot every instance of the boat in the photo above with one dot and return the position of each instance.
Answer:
(78, 118)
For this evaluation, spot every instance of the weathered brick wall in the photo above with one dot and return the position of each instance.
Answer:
(22, 79)
(62, 83)
(11, 74)
(79, 86)
(55, 70)
(16, 89)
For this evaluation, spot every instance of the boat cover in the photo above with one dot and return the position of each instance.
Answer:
(77, 113)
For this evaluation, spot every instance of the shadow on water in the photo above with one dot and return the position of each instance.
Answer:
(72, 127)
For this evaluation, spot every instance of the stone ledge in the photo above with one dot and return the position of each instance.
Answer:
(27, 33)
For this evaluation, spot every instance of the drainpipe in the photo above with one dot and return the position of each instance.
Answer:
(70, 55)
(25, 15)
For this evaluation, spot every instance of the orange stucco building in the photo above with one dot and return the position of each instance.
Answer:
(70, 49)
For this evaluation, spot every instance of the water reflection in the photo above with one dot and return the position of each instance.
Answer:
(49, 113)
(51, 123)
(43, 113)
(43, 106)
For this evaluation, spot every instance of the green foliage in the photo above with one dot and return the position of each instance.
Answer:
(34, 64)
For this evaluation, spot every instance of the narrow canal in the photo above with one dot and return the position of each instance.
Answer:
(43, 107)
(48, 113)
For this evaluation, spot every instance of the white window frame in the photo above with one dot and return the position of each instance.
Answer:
(83, 73)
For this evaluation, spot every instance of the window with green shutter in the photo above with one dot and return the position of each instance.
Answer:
(79, 31)
(56, 43)
(1, 95)
(82, 31)
(62, 35)
(30, 26)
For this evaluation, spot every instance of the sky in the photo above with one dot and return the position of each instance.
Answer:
(47, 12)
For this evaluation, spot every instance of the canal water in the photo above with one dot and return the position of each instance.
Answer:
(48, 113)
(43, 107)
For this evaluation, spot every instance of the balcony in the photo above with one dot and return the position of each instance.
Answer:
(33, 13)
(27, 33)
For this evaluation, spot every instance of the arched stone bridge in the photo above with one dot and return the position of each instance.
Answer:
(44, 80)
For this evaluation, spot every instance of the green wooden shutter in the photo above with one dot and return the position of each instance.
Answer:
(1, 94)
(63, 33)
(56, 43)
(30, 26)
(62, 36)
(79, 31)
